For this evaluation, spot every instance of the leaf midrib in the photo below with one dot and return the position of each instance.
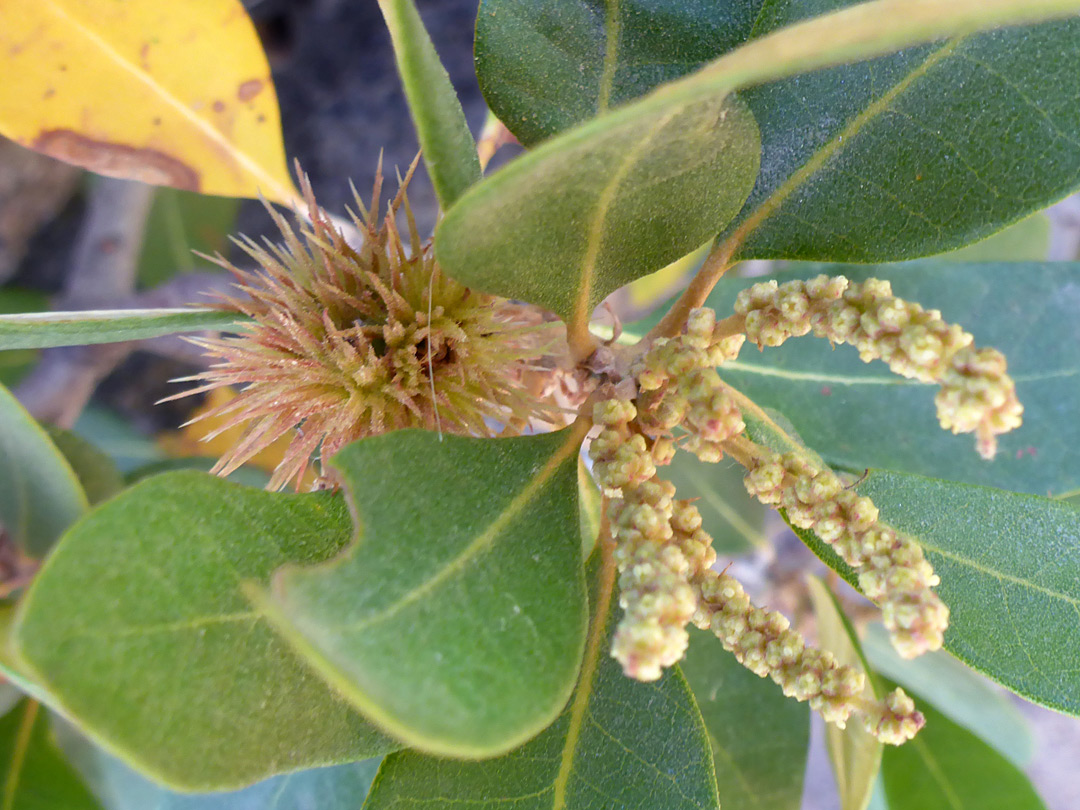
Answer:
(18, 756)
(582, 311)
(934, 769)
(613, 29)
(589, 668)
(983, 569)
(771, 204)
(484, 539)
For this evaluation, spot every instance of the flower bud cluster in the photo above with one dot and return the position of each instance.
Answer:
(895, 720)
(654, 572)
(665, 557)
(678, 385)
(892, 570)
(977, 396)
(764, 642)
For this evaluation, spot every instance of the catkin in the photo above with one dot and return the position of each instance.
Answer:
(892, 570)
(654, 573)
(976, 396)
(764, 642)
(679, 386)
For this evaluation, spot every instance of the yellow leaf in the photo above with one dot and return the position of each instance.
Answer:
(651, 290)
(169, 93)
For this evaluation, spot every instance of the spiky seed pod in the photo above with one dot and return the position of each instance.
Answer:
(976, 396)
(654, 572)
(892, 570)
(764, 642)
(345, 342)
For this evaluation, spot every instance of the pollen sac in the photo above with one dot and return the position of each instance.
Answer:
(896, 720)
(977, 395)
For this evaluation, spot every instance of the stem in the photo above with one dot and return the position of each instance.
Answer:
(718, 262)
(742, 450)
(729, 327)
(103, 271)
(581, 341)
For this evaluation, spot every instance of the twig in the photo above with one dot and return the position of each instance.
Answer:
(716, 264)
(70, 363)
(102, 273)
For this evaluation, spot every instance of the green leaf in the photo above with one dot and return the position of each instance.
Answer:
(1010, 574)
(118, 787)
(1026, 241)
(619, 744)
(15, 364)
(590, 502)
(457, 621)
(606, 203)
(935, 146)
(855, 753)
(860, 415)
(96, 472)
(139, 628)
(546, 65)
(246, 474)
(948, 766)
(734, 519)
(960, 694)
(40, 330)
(180, 223)
(40, 495)
(1014, 605)
(759, 737)
(35, 775)
(448, 147)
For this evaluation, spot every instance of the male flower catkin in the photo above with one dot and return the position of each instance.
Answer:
(764, 642)
(892, 570)
(665, 558)
(679, 386)
(976, 395)
(654, 573)
(348, 342)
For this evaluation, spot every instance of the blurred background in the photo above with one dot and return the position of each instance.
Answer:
(72, 241)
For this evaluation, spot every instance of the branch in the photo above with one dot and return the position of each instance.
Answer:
(102, 273)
